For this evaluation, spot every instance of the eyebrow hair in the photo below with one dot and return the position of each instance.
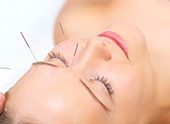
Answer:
(45, 63)
(94, 96)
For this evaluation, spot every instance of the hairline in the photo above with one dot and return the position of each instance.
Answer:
(22, 120)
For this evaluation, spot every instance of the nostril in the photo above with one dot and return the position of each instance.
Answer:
(117, 39)
(99, 47)
(94, 52)
(106, 55)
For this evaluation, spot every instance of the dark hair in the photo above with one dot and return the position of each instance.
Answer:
(5, 118)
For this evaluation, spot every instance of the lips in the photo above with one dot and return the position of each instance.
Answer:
(116, 38)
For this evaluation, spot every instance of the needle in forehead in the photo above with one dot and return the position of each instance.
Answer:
(28, 45)
(62, 31)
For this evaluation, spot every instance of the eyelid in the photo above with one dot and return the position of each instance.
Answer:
(91, 92)
(59, 56)
(103, 99)
(105, 82)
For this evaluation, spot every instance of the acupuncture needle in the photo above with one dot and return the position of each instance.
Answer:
(5, 68)
(61, 27)
(28, 46)
(75, 51)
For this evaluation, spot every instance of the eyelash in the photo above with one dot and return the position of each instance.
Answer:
(104, 80)
(58, 56)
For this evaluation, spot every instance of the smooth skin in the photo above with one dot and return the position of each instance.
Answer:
(67, 95)
(85, 18)
(141, 84)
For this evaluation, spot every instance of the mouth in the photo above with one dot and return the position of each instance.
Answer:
(116, 38)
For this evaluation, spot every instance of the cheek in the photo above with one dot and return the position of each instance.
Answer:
(130, 90)
(130, 96)
(77, 112)
(72, 104)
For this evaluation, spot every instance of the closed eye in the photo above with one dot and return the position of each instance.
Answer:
(105, 82)
(53, 55)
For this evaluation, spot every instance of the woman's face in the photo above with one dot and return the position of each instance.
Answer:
(99, 85)
(84, 18)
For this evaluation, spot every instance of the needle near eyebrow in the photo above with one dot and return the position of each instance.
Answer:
(62, 30)
(74, 54)
(28, 45)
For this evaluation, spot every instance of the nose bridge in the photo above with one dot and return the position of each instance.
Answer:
(94, 51)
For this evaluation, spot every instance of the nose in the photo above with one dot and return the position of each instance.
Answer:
(94, 52)
(97, 51)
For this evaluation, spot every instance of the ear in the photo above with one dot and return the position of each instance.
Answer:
(2, 101)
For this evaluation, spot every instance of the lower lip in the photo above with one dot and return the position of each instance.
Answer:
(117, 39)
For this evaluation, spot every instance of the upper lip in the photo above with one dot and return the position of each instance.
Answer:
(117, 39)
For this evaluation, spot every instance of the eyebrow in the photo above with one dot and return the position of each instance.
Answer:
(45, 63)
(93, 95)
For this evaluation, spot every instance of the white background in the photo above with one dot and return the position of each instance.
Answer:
(36, 19)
